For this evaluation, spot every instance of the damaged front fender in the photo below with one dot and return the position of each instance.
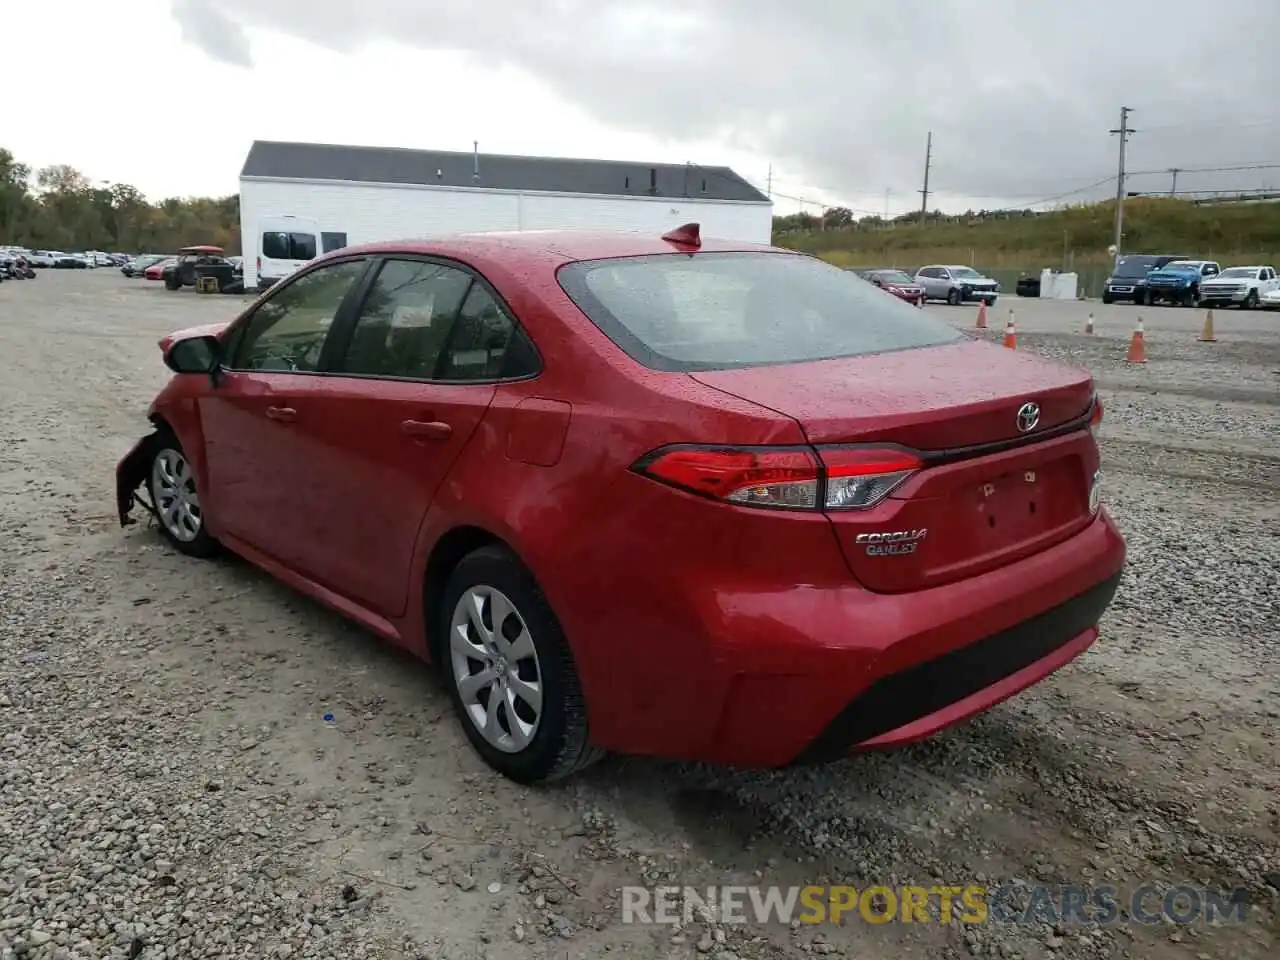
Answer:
(131, 473)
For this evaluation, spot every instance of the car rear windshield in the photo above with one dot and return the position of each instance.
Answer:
(712, 311)
(892, 276)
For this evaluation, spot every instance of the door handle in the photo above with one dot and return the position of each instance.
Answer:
(427, 429)
(282, 414)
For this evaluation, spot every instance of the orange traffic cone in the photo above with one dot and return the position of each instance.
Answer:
(1137, 346)
(1206, 335)
(982, 316)
(1088, 325)
(1010, 334)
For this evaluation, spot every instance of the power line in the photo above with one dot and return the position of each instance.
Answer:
(1236, 169)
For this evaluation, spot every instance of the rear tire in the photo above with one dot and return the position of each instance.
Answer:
(523, 657)
(171, 481)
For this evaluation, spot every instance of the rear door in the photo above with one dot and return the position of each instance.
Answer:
(414, 373)
(256, 465)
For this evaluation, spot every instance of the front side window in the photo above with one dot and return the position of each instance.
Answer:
(720, 310)
(288, 330)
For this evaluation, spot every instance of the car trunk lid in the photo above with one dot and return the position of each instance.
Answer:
(987, 493)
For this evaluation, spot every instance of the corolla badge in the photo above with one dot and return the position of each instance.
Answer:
(1028, 417)
(892, 543)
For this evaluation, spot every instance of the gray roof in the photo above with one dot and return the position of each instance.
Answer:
(320, 161)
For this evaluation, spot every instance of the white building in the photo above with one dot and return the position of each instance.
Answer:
(365, 194)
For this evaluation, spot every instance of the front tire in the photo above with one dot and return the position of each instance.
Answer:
(1251, 301)
(953, 297)
(171, 481)
(510, 672)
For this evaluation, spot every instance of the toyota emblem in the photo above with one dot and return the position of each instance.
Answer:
(1028, 417)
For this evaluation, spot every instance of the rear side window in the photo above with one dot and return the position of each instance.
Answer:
(430, 321)
(406, 319)
(714, 311)
(279, 245)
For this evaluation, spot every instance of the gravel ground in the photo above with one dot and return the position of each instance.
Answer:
(169, 787)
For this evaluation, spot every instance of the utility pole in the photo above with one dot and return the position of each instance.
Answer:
(886, 203)
(924, 194)
(769, 183)
(1173, 189)
(1124, 131)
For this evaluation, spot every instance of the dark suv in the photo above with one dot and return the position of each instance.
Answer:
(1129, 279)
(184, 272)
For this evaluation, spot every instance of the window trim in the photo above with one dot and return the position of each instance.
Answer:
(235, 331)
(340, 335)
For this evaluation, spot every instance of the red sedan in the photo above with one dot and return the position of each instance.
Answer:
(709, 501)
(156, 270)
(896, 282)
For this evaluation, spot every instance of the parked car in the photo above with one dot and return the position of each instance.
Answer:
(156, 270)
(182, 271)
(1270, 300)
(1128, 280)
(69, 261)
(1242, 286)
(135, 267)
(1027, 287)
(43, 259)
(895, 282)
(956, 284)
(712, 501)
(1179, 281)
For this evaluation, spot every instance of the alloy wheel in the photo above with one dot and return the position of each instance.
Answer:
(495, 668)
(173, 484)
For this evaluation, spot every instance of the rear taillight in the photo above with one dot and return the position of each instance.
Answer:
(860, 477)
(785, 478)
(1095, 419)
(259, 263)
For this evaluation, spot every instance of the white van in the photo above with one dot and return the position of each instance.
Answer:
(285, 243)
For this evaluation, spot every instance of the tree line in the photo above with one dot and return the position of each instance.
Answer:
(59, 208)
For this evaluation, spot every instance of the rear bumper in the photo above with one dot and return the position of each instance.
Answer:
(712, 654)
(917, 702)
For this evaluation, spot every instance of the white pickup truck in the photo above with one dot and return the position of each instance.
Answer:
(1243, 286)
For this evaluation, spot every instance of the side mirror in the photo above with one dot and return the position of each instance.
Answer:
(195, 355)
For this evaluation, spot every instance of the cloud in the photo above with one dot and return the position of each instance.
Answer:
(205, 26)
(1019, 95)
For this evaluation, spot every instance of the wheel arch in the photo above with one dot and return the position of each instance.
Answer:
(447, 552)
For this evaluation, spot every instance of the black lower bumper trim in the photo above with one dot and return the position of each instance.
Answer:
(901, 698)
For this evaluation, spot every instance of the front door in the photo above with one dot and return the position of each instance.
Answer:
(410, 383)
(255, 461)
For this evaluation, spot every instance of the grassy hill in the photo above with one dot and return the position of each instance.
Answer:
(1074, 238)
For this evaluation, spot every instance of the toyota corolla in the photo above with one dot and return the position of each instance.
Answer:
(663, 496)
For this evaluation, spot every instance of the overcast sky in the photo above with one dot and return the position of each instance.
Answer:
(836, 96)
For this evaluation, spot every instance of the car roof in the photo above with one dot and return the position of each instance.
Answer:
(552, 248)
